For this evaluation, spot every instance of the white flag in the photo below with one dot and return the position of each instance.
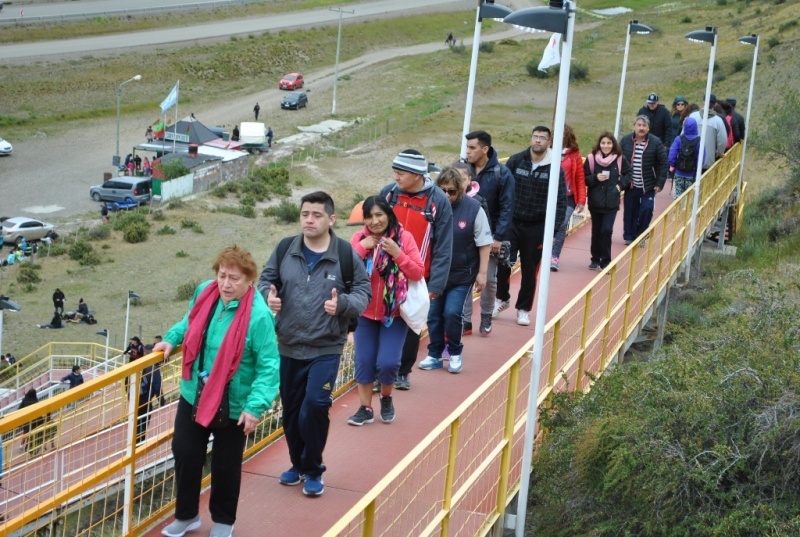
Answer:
(171, 100)
(551, 55)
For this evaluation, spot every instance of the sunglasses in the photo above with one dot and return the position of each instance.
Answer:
(449, 191)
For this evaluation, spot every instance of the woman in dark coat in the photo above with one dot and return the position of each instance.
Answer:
(607, 173)
(36, 425)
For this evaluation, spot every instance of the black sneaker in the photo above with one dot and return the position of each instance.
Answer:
(387, 409)
(467, 328)
(364, 415)
(594, 266)
(486, 324)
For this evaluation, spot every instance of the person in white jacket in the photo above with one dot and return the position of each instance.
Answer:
(715, 138)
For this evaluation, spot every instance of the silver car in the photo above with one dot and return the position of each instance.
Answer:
(19, 227)
(5, 147)
(127, 189)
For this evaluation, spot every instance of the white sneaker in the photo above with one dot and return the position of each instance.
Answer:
(499, 305)
(523, 318)
(455, 363)
(431, 363)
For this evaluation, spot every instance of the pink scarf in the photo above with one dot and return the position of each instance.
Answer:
(606, 161)
(230, 351)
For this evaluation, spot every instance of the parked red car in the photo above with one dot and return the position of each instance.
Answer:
(292, 81)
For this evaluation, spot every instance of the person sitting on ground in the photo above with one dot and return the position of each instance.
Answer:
(55, 322)
(83, 309)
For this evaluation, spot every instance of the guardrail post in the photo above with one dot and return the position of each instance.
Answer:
(130, 469)
(450, 475)
(508, 437)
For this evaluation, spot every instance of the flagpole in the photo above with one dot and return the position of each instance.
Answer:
(177, 92)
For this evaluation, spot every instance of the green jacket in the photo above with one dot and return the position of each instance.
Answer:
(255, 383)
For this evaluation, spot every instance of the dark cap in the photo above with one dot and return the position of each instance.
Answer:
(136, 339)
(731, 101)
(711, 99)
(652, 98)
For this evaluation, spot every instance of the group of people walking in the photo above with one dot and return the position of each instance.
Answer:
(248, 336)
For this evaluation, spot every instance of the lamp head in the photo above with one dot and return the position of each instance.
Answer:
(751, 39)
(490, 10)
(137, 77)
(131, 294)
(642, 29)
(709, 35)
(8, 304)
(549, 19)
(102, 333)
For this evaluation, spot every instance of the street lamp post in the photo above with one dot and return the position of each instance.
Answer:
(10, 305)
(747, 40)
(558, 18)
(642, 29)
(119, 98)
(338, 46)
(490, 10)
(104, 333)
(131, 295)
(709, 35)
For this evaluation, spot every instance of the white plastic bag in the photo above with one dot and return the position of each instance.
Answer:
(414, 310)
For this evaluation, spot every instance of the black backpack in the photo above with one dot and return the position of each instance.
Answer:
(687, 156)
(345, 261)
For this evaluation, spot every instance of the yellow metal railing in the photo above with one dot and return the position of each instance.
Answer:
(460, 478)
(82, 471)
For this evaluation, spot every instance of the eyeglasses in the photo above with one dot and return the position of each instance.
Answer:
(680, 104)
(450, 191)
(538, 137)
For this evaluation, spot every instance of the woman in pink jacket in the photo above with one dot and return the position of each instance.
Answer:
(572, 164)
(392, 260)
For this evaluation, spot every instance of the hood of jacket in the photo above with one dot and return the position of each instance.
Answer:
(690, 128)
(547, 160)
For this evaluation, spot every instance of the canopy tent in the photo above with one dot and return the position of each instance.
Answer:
(189, 131)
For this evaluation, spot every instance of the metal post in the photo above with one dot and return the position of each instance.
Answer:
(622, 82)
(544, 276)
(338, 46)
(119, 99)
(747, 118)
(127, 316)
(473, 68)
(701, 160)
(1, 332)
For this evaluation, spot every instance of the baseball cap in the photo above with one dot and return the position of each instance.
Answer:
(652, 98)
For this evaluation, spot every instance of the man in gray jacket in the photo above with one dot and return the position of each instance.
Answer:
(714, 137)
(305, 286)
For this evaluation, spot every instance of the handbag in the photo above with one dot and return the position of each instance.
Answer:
(414, 310)
(221, 416)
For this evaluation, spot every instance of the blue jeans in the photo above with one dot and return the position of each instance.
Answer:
(378, 349)
(445, 317)
(639, 207)
(561, 232)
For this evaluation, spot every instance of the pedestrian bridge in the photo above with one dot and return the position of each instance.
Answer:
(450, 464)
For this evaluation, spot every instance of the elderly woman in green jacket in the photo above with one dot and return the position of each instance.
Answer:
(230, 353)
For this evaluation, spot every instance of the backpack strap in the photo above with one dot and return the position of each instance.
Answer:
(280, 253)
(590, 158)
(346, 263)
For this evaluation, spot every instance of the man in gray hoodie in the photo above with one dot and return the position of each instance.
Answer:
(307, 289)
(714, 137)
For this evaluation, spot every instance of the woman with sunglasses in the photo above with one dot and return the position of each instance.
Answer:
(472, 240)
(678, 106)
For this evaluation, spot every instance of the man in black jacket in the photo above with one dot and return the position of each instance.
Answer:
(531, 171)
(649, 162)
(737, 117)
(497, 188)
(660, 120)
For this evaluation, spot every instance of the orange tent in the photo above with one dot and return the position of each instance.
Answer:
(356, 215)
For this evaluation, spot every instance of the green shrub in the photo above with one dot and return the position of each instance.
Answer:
(286, 213)
(99, 233)
(159, 216)
(740, 65)
(129, 218)
(186, 291)
(135, 233)
(248, 200)
(276, 180)
(176, 204)
(773, 41)
(722, 2)
(787, 25)
(487, 46)
(28, 273)
(577, 72)
(181, 253)
(78, 250)
(686, 19)
(57, 249)
(533, 69)
(247, 211)
(194, 225)
(173, 169)
(458, 49)
(166, 230)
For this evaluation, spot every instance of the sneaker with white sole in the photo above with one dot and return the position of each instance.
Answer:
(523, 318)
(499, 306)
(486, 324)
(221, 530)
(554, 264)
(291, 477)
(179, 528)
(314, 486)
(431, 363)
(455, 363)
(387, 409)
(364, 415)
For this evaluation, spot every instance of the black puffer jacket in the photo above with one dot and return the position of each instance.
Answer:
(654, 161)
(603, 196)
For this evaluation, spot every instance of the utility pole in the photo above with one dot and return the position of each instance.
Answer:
(338, 46)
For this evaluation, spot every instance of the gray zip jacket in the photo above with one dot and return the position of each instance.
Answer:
(304, 330)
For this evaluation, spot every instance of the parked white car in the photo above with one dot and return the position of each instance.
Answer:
(5, 147)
